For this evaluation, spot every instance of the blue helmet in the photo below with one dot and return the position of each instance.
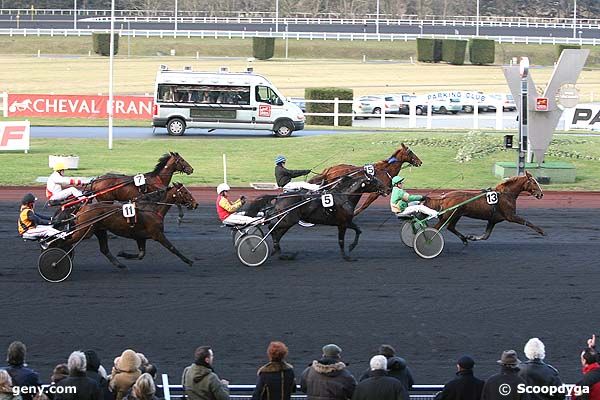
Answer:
(280, 159)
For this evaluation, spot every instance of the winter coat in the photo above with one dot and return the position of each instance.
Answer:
(85, 388)
(283, 176)
(201, 383)
(380, 386)
(23, 376)
(275, 382)
(507, 376)
(125, 374)
(327, 379)
(537, 373)
(464, 387)
(398, 369)
(591, 378)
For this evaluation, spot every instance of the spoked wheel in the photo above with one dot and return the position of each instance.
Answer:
(251, 252)
(408, 234)
(55, 265)
(253, 230)
(429, 243)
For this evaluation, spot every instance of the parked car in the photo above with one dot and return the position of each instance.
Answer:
(446, 106)
(300, 102)
(404, 100)
(508, 102)
(373, 104)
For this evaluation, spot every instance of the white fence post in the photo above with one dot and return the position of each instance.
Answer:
(429, 113)
(499, 117)
(412, 114)
(224, 170)
(475, 115)
(166, 389)
(336, 110)
(4, 104)
(383, 113)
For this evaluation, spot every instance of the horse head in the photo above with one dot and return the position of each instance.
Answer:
(405, 154)
(366, 183)
(517, 184)
(179, 194)
(180, 165)
(532, 186)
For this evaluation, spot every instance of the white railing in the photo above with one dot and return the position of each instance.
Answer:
(293, 35)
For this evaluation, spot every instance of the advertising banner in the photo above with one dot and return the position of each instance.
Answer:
(14, 135)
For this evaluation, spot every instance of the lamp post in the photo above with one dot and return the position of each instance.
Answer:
(110, 74)
(276, 16)
(377, 19)
(477, 20)
(286, 40)
(175, 14)
(74, 14)
(575, 19)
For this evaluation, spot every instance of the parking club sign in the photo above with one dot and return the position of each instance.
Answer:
(14, 135)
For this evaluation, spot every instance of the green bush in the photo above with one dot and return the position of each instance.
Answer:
(321, 93)
(429, 50)
(453, 51)
(101, 42)
(263, 48)
(561, 47)
(482, 51)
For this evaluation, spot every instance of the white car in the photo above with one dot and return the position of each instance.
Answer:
(508, 102)
(373, 105)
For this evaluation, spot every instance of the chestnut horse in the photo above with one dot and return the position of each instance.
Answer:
(385, 170)
(504, 210)
(148, 223)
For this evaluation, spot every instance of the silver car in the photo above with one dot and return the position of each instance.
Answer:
(373, 105)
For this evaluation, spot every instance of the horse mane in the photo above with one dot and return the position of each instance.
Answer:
(501, 187)
(162, 161)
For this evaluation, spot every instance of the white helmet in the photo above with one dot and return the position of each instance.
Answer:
(222, 187)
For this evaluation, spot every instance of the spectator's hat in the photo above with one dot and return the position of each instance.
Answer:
(332, 351)
(466, 362)
(509, 358)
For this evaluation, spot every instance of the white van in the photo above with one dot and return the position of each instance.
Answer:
(223, 100)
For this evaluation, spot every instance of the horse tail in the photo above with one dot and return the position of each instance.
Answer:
(260, 203)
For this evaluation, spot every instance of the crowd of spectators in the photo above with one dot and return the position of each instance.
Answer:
(326, 378)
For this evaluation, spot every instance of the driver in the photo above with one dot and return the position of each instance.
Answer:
(402, 204)
(30, 223)
(284, 176)
(54, 186)
(226, 210)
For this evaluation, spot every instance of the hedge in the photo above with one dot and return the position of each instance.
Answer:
(101, 42)
(263, 48)
(453, 51)
(429, 50)
(561, 47)
(482, 51)
(321, 93)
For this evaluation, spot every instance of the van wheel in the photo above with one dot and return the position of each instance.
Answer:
(176, 127)
(443, 110)
(284, 129)
(468, 109)
(419, 111)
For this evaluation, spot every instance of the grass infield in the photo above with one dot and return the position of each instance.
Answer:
(251, 159)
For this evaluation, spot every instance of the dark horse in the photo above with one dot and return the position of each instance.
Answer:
(385, 170)
(148, 223)
(505, 209)
(345, 195)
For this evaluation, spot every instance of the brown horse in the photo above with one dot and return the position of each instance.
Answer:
(148, 223)
(504, 210)
(385, 170)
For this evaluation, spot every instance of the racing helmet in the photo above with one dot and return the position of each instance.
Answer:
(223, 187)
(280, 159)
(28, 198)
(397, 179)
(58, 166)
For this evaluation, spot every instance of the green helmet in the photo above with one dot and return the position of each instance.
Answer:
(396, 180)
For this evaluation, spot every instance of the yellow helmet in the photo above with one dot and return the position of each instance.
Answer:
(59, 166)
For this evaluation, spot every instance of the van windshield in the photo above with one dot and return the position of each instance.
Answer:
(203, 94)
(265, 94)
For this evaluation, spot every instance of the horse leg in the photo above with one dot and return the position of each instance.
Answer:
(522, 221)
(276, 235)
(488, 231)
(451, 227)
(371, 198)
(180, 215)
(141, 248)
(357, 233)
(341, 236)
(103, 242)
(161, 238)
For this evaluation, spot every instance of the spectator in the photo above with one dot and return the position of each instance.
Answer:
(275, 379)
(77, 386)
(591, 375)
(397, 367)
(465, 386)
(60, 372)
(535, 372)
(17, 368)
(328, 378)
(124, 374)
(95, 371)
(6, 389)
(199, 380)
(380, 386)
(143, 388)
(503, 386)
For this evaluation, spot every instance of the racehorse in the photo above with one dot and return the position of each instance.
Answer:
(148, 223)
(504, 210)
(344, 197)
(385, 170)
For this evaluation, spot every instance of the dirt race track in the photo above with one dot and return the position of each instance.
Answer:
(479, 299)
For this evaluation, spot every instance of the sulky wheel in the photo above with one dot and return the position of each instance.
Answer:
(407, 234)
(55, 265)
(429, 243)
(251, 251)
(252, 230)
